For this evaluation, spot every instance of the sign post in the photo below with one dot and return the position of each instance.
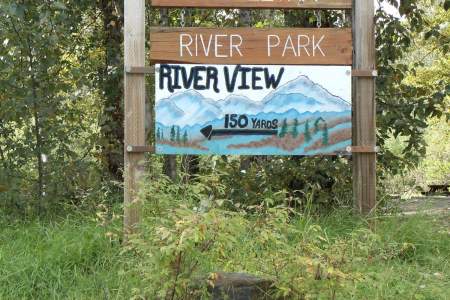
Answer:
(202, 74)
(364, 107)
(134, 94)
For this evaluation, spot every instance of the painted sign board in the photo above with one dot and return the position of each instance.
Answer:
(293, 46)
(321, 4)
(252, 109)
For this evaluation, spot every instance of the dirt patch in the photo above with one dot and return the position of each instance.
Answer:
(433, 205)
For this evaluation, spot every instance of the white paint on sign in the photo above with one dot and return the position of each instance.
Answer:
(215, 45)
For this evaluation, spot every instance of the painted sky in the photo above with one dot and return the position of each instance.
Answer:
(335, 79)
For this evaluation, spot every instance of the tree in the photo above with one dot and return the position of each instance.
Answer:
(406, 106)
(108, 40)
(325, 140)
(42, 136)
(170, 161)
(185, 137)
(158, 134)
(317, 124)
(295, 129)
(173, 134)
(307, 132)
(284, 129)
(178, 137)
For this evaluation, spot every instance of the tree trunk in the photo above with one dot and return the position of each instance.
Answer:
(170, 161)
(37, 136)
(111, 78)
(245, 20)
(190, 163)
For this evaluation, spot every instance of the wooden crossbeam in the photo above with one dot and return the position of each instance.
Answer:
(365, 73)
(363, 149)
(299, 4)
(313, 46)
(140, 149)
(140, 70)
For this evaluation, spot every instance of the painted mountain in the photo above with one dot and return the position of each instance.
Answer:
(299, 118)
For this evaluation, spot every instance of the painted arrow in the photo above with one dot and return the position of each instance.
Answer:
(209, 132)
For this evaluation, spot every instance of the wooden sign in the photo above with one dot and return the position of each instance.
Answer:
(252, 109)
(317, 4)
(295, 46)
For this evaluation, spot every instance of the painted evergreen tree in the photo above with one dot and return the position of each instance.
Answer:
(325, 137)
(158, 134)
(178, 137)
(317, 124)
(284, 129)
(295, 129)
(307, 132)
(185, 137)
(172, 134)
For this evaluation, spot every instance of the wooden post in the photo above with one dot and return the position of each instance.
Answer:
(134, 33)
(364, 107)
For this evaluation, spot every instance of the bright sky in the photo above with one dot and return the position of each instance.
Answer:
(388, 8)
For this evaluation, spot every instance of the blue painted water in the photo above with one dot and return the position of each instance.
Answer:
(221, 148)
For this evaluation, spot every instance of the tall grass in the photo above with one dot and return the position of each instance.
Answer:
(76, 258)
(71, 259)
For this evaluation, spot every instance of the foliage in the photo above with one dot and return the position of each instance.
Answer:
(188, 237)
(42, 105)
(281, 181)
(434, 168)
(61, 112)
(436, 164)
(73, 258)
(406, 106)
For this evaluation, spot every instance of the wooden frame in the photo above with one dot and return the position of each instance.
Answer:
(299, 4)
(134, 94)
(364, 106)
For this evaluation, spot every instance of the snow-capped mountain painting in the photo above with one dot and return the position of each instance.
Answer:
(307, 112)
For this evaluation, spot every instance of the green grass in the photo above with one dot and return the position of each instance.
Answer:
(70, 260)
(420, 270)
(74, 259)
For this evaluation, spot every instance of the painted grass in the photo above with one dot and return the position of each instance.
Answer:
(75, 259)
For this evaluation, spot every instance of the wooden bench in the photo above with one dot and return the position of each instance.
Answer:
(439, 188)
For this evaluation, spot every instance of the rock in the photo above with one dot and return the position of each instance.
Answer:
(239, 286)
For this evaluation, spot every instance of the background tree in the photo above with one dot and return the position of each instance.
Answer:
(158, 134)
(325, 138)
(295, 129)
(173, 134)
(178, 137)
(185, 137)
(284, 129)
(46, 108)
(170, 161)
(109, 40)
(61, 102)
(307, 132)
